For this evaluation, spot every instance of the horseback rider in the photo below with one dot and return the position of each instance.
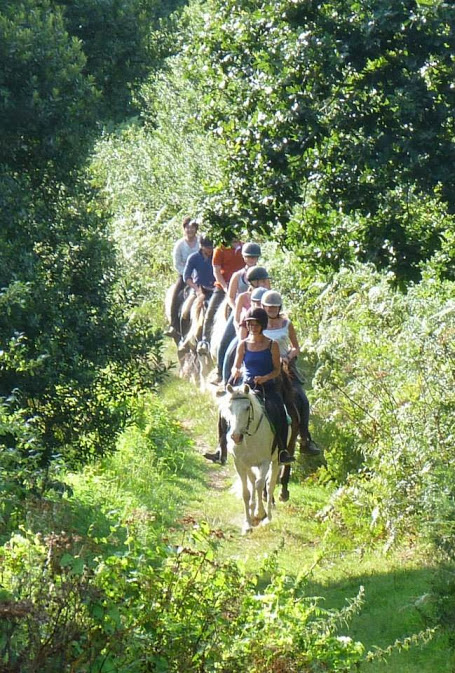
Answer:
(227, 259)
(238, 284)
(280, 329)
(258, 279)
(183, 248)
(198, 271)
(198, 275)
(257, 361)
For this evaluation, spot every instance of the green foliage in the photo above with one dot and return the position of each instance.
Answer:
(336, 118)
(122, 42)
(385, 383)
(154, 173)
(161, 608)
(69, 349)
(47, 102)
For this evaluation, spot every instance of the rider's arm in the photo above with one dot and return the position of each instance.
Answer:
(178, 257)
(294, 351)
(232, 289)
(219, 276)
(188, 274)
(236, 370)
(239, 304)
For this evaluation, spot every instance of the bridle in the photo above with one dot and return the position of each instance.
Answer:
(251, 415)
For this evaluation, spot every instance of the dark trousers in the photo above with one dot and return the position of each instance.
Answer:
(222, 432)
(229, 334)
(214, 303)
(303, 407)
(301, 401)
(276, 412)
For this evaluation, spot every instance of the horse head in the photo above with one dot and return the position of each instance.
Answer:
(241, 411)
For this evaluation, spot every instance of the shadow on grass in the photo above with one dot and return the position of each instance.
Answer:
(397, 604)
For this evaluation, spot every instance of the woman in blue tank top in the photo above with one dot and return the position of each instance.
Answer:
(257, 361)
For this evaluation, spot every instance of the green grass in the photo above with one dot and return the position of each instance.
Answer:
(396, 583)
(149, 492)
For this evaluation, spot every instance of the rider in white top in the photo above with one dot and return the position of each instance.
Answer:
(281, 329)
(185, 246)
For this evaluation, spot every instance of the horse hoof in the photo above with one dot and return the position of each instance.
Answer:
(247, 529)
(284, 496)
(258, 520)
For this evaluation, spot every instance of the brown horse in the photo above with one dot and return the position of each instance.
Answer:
(290, 401)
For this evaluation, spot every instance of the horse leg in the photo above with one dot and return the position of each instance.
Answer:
(284, 483)
(242, 472)
(293, 434)
(259, 485)
(271, 482)
(253, 494)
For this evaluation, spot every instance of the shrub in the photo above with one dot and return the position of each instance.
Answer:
(385, 389)
(164, 608)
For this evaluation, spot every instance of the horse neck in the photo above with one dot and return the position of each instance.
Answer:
(287, 389)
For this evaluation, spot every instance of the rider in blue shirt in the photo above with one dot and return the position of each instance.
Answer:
(198, 271)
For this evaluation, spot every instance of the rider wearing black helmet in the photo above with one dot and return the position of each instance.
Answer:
(257, 361)
(238, 284)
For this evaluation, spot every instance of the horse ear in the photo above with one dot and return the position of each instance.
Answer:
(229, 388)
(246, 388)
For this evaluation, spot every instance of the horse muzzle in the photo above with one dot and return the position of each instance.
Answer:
(237, 437)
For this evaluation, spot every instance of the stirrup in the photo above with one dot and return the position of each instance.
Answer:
(285, 458)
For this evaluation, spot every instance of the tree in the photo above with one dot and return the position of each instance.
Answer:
(47, 103)
(71, 359)
(337, 119)
(123, 40)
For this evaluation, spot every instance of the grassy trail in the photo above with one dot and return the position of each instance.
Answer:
(336, 563)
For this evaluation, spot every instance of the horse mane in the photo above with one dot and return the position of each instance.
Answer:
(285, 384)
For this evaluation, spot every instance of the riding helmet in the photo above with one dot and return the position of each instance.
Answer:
(251, 250)
(256, 273)
(259, 315)
(258, 293)
(272, 298)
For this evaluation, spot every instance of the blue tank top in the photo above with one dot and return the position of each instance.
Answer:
(257, 363)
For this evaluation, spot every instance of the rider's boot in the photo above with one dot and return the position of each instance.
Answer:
(220, 455)
(217, 457)
(309, 447)
(171, 332)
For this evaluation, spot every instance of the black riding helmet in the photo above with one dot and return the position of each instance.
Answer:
(259, 315)
(256, 273)
(251, 250)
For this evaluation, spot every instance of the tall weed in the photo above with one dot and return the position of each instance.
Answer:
(384, 387)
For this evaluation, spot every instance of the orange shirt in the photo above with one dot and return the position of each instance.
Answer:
(229, 259)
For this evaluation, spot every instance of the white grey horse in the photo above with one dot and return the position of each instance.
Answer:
(250, 440)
